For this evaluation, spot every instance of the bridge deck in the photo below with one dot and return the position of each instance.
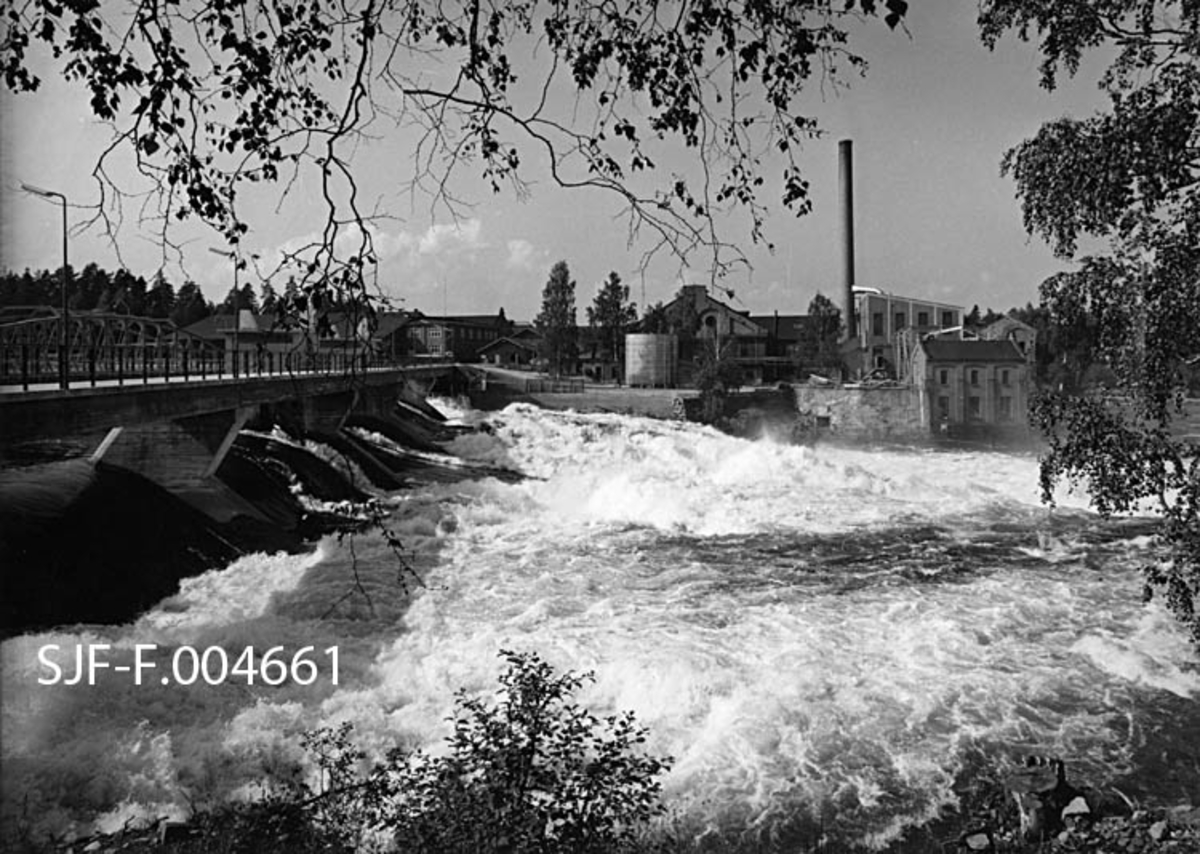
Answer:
(49, 412)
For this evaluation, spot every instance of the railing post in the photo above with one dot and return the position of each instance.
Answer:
(120, 366)
(25, 366)
(92, 366)
(145, 366)
(166, 365)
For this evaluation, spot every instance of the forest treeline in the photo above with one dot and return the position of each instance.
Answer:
(95, 289)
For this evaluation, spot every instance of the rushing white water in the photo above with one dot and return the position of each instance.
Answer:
(818, 636)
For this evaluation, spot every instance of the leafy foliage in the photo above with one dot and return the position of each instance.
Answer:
(655, 319)
(556, 321)
(1129, 176)
(530, 773)
(611, 314)
(210, 98)
(716, 373)
(818, 345)
(533, 773)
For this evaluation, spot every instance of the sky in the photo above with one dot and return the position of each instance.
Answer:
(933, 216)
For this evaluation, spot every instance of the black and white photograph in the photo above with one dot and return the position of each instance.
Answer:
(600, 426)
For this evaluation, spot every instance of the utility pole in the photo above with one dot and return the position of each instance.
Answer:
(64, 380)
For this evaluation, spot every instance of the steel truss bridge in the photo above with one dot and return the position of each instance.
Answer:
(104, 347)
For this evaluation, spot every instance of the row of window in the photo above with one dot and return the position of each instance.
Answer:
(901, 321)
(469, 333)
(1004, 408)
(973, 376)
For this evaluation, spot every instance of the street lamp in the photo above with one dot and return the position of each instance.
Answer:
(63, 338)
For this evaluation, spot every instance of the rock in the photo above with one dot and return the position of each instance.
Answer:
(1158, 830)
(1186, 816)
(1040, 791)
(1077, 812)
(977, 840)
(174, 831)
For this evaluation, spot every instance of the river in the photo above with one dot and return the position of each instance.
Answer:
(820, 637)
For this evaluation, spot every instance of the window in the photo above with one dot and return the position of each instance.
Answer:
(944, 377)
(922, 318)
(974, 407)
(947, 319)
(974, 376)
(944, 408)
(901, 320)
(1004, 377)
(1006, 409)
(435, 332)
(877, 323)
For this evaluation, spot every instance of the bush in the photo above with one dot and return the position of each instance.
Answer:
(532, 773)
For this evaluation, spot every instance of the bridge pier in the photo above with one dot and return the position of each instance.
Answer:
(182, 456)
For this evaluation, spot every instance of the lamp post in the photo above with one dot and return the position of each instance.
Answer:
(237, 320)
(63, 337)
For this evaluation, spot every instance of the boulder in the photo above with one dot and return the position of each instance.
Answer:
(1041, 793)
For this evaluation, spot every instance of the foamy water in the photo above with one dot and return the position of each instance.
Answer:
(819, 637)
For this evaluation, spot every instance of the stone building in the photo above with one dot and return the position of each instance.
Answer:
(971, 384)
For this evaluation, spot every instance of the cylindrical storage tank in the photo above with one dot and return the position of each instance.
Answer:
(651, 359)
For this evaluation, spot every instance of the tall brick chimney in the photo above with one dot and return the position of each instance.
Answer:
(846, 194)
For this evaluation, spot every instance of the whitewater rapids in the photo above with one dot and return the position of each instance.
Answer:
(819, 637)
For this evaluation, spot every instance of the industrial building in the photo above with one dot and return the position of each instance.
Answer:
(968, 383)
(881, 318)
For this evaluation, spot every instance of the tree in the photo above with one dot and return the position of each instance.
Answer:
(1129, 177)
(238, 300)
(160, 299)
(268, 300)
(190, 305)
(716, 373)
(655, 319)
(208, 99)
(90, 286)
(819, 350)
(611, 314)
(973, 318)
(556, 322)
(126, 294)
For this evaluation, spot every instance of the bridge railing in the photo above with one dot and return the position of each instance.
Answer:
(25, 365)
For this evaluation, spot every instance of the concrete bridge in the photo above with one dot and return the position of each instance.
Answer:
(177, 433)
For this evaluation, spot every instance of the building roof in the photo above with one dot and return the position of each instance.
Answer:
(971, 350)
(789, 326)
(860, 292)
(490, 321)
(499, 342)
(206, 327)
(1006, 323)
